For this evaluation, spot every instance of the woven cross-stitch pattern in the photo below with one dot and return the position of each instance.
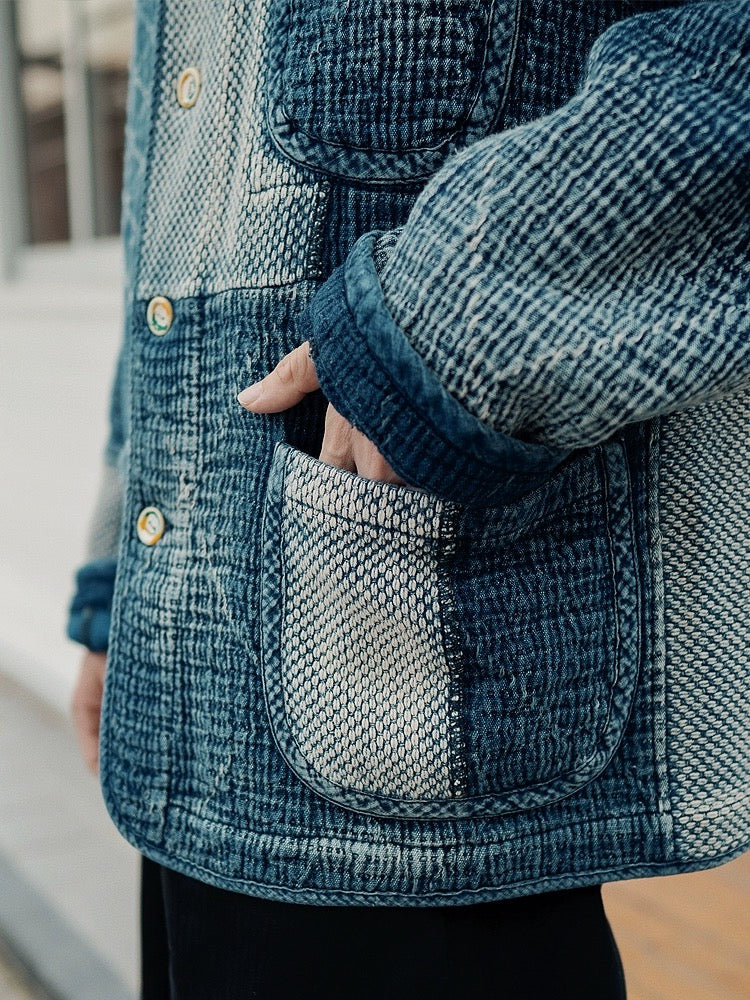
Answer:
(704, 496)
(423, 662)
(223, 210)
(366, 682)
(552, 46)
(546, 626)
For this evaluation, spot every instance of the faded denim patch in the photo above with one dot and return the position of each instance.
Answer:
(426, 659)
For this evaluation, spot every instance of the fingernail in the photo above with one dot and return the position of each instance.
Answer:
(250, 395)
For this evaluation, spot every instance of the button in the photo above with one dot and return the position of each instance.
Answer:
(188, 87)
(159, 315)
(150, 525)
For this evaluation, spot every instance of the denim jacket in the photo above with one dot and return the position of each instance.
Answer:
(516, 235)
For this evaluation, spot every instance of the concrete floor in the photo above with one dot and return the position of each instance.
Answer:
(15, 983)
(59, 333)
(68, 897)
(67, 880)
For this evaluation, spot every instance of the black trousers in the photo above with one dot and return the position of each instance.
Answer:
(203, 943)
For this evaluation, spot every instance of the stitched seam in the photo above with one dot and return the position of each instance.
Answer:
(451, 652)
(450, 137)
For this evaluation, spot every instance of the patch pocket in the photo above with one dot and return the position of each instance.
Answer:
(376, 89)
(427, 660)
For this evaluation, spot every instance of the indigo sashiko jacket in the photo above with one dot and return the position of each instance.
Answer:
(516, 234)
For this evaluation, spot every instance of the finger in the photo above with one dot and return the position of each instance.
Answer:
(290, 381)
(369, 462)
(86, 704)
(86, 720)
(336, 448)
(89, 740)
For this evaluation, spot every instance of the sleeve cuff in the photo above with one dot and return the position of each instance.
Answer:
(90, 609)
(373, 376)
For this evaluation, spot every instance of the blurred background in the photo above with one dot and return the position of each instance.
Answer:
(68, 896)
(67, 880)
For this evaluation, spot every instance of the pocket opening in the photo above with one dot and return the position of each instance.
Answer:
(426, 731)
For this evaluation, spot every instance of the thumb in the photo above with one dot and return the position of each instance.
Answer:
(290, 381)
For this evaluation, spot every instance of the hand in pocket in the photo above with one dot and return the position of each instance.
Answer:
(343, 445)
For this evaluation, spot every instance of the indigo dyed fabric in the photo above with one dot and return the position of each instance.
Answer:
(516, 236)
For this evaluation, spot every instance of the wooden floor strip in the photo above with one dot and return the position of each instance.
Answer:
(685, 937)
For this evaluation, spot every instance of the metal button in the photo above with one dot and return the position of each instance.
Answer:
(188, 87)
(150, 525)
(159, 315)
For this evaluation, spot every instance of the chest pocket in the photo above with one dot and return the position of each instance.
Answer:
(383, 90)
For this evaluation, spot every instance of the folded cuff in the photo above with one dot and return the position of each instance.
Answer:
(90, 609)
(373, 376)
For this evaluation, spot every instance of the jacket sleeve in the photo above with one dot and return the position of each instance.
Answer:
(90, 608)
(561, 280)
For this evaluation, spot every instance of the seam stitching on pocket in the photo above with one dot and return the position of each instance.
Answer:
(363, 522)
(460, 126)
(493, 803)
(452, 653)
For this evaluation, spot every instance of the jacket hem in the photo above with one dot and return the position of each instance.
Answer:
(576, 877)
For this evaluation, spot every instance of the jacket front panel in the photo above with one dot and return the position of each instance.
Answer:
(321, 688)
(197, 774)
